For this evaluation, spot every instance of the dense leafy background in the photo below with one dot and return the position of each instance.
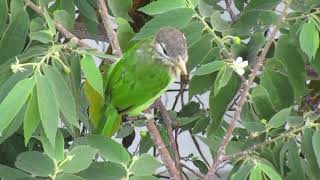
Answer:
(50, 88)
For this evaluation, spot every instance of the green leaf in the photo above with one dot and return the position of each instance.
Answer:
(11, 173)
(55, 152)
(201, 166)
(293, 63)
(31, 118)
(143, 178)
(149, 164)
(48, 108)
(309, 39)
(63, 94)
(261, 103)
(161, 6)
(80, 159)
(256, 174)
(92, 73)
(209, 68)
(269, 171)
(86, 10)
(35, 163)
(68, 177)
(68, 6)
(316, 145)
(193, 32)
(15, 35)
(308, 150)
(262, 4)
(64, 18)
(43, 36)
(120, 8)
(15, 100)
(222, 79)
(243, 172)
(280, 118)
(218, 24)
(294, 161)
(3, 14)
(124, 34)
(103, 171)
(50, 22)
(109, 149)
(201, 84)
(125, 131)
(181, 15)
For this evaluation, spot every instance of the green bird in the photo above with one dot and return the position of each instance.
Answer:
(142, 75)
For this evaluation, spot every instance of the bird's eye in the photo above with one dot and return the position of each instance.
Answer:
(164, 49)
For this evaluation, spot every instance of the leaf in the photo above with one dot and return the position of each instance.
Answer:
(11, 173)
(35, 163)
(218, 24)
(201, 84)
(55, 152)
(80, 159)
(309, 39)
(269, 171)
(69, 7)
(261, 102)
(92, 73)
(316, 145)
(63, 94)
(243, 172)
(96, 104)
(31, 118)
(161, 6)
(48, 108)
(125, 34)
(109, 149)
(125, 131)
(15, 100)
(193, 31)
(15, 35)
(64, 18)
(50, 22)
(294, 161)
(149, 164)
(43, 36)
(262, 4)
(201, 166)
(3, 14)
(181, 15)
(222, 79)
(86, 10)
(103, 171)
(209, 68)
(256, 174)
(143, 178)
(120, 8)
(280, 118)
(309, 150)
(68, 177)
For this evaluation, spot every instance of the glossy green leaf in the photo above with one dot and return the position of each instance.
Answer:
(11, 173)
(50, 22)
(309, 152)
(262, 4)
(120, 8)
(262, 103)
(316, 145)
(48, 107)
(181, 15)
(143, 178)
(15, 100)
(203, 168)
(243, 172)
(3, 14)
(161, 6)
(103, 171)
(55, 152)
(309, 39)
(35, 163)
(294, 161)
(269, 171)
(63, 94)
(80, 159)
(256, 174)
(43, 36)
(149, 164)
(222, 79)
(31, 118)
(209, 68)
(15, 35)
(64, 18)
(86, 10)
(109, 149)
(92, 73)
(201, 84)
(124, 34)
(280, 118)
(68, 177)
(218, 24)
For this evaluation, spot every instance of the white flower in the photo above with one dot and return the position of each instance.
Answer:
(17, 67)
(238, 66)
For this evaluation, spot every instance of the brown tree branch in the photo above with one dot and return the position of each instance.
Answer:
(168, 122)
(108, 26)
(228, 8)
(60, 28)
(164, 153)
(247, 85)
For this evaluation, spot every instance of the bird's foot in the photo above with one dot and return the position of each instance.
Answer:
(147, 115)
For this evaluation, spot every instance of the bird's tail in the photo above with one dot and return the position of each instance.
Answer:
(111, 121)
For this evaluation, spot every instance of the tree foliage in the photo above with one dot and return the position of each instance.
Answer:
(259, 65)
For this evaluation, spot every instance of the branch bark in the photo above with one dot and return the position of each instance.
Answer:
(228, 8)
(247, 85)
(108, 26)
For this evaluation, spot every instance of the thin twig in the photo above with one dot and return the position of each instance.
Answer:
(191, 170)
(228, 8)
(108, 26)
(168, 122)
(60, 28)
(164, 153)
(247, 85)
(182, 87)
(196, 143)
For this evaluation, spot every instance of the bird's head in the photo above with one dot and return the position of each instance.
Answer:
(171, 47)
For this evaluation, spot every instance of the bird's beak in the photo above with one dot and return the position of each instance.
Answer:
(182, 66)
